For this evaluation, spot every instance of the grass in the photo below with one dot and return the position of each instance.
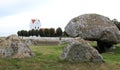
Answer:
(48, 58)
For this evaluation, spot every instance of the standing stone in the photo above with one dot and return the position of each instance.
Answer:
(79, 50)
(21, 50)
(14, 47)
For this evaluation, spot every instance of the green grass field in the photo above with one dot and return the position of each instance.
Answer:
(47, 58)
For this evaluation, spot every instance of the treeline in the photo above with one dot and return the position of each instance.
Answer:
(51, 32)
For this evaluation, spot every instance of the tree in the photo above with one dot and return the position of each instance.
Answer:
(19, 33)
(36, 33)
(22, 32)
(32, 32)
(25, 33)
(51, 32)
(41, 32)
(47, 34)
(59, 32)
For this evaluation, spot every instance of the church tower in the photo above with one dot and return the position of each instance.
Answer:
(35, 24)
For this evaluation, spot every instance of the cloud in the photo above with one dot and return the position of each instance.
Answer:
(9, 7)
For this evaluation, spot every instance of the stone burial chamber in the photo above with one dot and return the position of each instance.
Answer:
(89, 27)
(94, 27)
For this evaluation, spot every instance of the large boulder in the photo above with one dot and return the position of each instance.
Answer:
(79, 50)
(94, 27)
(14, 47)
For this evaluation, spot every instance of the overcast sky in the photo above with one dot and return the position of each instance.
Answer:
(16, 14)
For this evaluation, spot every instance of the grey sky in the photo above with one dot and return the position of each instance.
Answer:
(10, 7)
(16, 14)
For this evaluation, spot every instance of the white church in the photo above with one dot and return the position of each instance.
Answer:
(35, 24)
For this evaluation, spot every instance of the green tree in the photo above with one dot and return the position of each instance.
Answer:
(51, 32)
(59, 32)
(36, 33)
(41, 32)
(22, 32)
(47, 33)
(25, 33)
(19, 33)
(32, 32)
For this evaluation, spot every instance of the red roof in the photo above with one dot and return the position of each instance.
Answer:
(33, 20)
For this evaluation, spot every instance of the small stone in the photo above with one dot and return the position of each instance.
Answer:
(79, 50)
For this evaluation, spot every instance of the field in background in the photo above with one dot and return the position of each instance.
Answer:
(48, 58)
(47, 38)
